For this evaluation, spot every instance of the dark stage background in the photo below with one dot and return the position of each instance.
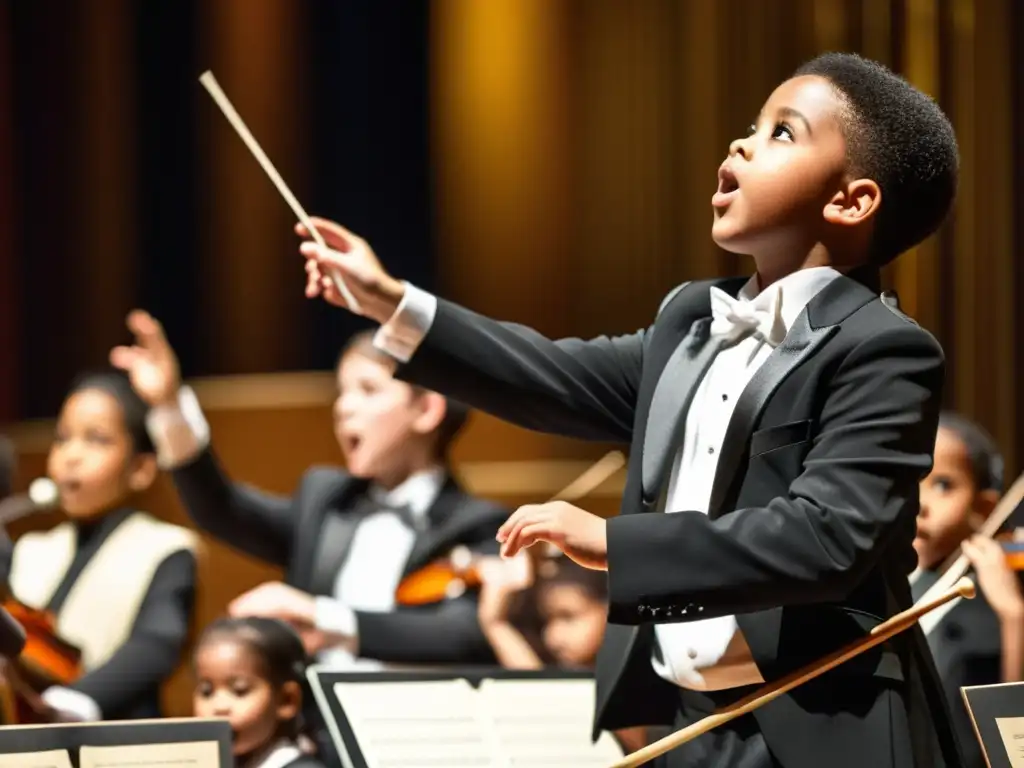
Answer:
(547, 161)
(128, 186)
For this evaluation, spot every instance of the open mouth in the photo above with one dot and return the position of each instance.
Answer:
(728, 186)
(350, 443)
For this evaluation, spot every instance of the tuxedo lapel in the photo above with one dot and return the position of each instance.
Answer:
(800, 343)
(332, 547)
(445, 524)
(671, 400)
(321, 505)
(819, 320)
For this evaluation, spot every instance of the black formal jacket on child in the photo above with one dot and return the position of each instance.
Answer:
(309, 535)
(812, 515)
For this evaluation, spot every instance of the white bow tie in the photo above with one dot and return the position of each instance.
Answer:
(732, 319)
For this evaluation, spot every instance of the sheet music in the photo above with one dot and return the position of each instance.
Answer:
(54, 758)
(1012, 731)
(547, 723)
(188, 754)
(419, 724)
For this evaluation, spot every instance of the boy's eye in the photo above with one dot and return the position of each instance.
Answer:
(782, 131)
(751, 129)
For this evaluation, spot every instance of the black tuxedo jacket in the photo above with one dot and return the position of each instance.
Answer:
(808, 539)
(309, 535)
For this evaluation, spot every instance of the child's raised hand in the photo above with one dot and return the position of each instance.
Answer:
(998, 582)
(150, 362)
(351, 257)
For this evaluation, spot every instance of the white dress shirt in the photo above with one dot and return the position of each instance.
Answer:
(373, 569)
(712, 653)
(377, 555)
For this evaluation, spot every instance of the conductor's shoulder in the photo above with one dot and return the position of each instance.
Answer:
(890, 325)
(678, 295)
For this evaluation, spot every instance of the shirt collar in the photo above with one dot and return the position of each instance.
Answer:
(797, 290)
(418, 491)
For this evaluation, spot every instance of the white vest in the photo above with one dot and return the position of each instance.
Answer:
(104, 601)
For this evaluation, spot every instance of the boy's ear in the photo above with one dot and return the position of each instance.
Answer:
(290, 701)
(854, 204)
(143, 473)
(432, 412)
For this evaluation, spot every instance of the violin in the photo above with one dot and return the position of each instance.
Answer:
(456, 573)
(1012, 543)
(444, 579)
(46, 660)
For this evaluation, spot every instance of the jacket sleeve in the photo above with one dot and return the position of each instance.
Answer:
(858, 486)
(153, 650)
(579, 388)
(260, 524)
(448, 634)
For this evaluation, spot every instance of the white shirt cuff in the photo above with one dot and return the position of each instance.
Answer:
(405, 330)
(163, 420)
(335, 618)
(74, 706)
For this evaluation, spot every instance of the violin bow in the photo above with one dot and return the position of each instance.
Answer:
(961, 565)
(964, 588)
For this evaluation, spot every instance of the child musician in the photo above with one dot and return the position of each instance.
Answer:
(573, 606)
(782, 421)
(980, 641)
(251, 671)
(120, 583)
(346, 539)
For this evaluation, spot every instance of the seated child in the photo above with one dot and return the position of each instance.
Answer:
(573, 605)
(251, 672)
(980, 641)
(120, 583)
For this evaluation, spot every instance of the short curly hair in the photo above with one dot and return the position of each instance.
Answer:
(901, 139)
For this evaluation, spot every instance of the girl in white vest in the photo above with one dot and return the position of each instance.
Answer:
(251, 672)
(120, 583)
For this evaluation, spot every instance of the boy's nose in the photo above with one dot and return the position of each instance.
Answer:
(740, 147)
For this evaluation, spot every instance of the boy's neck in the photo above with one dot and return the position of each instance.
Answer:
(772, 267)
(414, 466)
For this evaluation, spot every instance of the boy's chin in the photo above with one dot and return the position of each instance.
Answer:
(729, 237)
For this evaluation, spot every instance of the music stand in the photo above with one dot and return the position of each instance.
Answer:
(997, 715)
(73, 736)
(323, 681)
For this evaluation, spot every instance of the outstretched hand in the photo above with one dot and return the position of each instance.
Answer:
(353, 261)
(150, 362)
(578, 533)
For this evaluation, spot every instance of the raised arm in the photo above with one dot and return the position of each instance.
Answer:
(858, 487)
(580, 388)
(257, 523)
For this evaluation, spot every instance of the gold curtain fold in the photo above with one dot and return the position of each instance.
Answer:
(656, 90)
(252, 274)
